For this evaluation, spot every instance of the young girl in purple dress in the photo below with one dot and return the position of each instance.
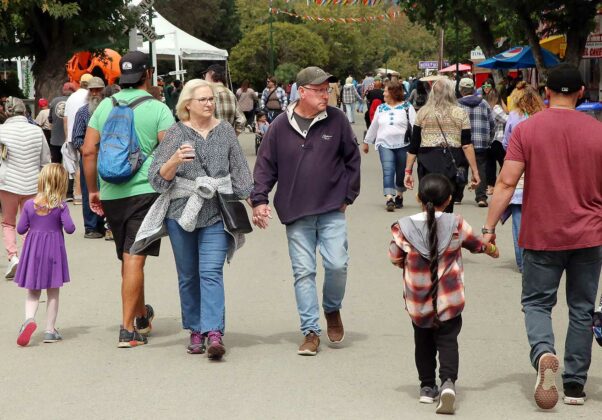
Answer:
(43, 263)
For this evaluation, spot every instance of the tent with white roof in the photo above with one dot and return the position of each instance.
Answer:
(175, 42)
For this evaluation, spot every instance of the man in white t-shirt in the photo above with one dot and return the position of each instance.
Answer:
(70, 155)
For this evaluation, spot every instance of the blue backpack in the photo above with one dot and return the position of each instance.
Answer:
(120, 157)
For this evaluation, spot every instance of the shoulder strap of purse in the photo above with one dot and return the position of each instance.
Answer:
(446, 143)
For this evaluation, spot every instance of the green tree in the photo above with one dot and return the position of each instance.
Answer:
(214, 21)
(292, 44)
(51, 31)
(286, 72)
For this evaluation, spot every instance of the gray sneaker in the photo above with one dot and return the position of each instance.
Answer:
(447, 398)
(52, 337)
(429, 395)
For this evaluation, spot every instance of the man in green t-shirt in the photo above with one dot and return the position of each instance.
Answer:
(125, 205)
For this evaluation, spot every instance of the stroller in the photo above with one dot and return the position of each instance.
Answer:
(258, 139)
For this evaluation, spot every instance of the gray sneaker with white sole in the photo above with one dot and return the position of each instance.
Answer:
(447, 398)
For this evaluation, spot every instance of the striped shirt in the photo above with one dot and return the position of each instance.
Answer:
(79, 126)
(417, 276)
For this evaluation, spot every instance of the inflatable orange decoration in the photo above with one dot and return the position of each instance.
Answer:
(106, 67)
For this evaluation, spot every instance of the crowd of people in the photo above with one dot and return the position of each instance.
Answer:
(101, 137)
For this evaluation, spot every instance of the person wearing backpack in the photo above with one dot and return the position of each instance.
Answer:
(122, 133)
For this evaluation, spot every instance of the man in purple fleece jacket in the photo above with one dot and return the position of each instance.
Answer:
(312, 153)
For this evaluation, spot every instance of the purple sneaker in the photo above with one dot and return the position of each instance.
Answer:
(216, 348)
(197, 343)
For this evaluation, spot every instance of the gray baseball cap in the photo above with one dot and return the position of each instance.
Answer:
(314, 76)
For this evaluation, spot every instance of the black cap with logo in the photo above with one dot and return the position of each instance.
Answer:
(564, 78)
(133, 65)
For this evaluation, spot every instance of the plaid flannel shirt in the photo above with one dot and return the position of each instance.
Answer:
(280, 94)
(82, 117)
(417, 275)
(482, 125)
(226, 108)
(350, 95)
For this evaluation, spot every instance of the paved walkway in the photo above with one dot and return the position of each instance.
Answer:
(372, 377)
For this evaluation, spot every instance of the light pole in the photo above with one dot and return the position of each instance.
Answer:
(271, 19)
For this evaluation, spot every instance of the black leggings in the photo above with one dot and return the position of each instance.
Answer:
(495, 155)
(429, 341)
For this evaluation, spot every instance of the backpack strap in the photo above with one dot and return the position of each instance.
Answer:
(134, 103)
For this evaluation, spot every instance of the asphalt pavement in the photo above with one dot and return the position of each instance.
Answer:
(372, 375)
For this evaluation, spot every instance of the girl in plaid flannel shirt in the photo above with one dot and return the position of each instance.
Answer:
(428, 247)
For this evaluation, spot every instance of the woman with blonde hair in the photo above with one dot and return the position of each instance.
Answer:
(199, 157)
(526, 102)
(441, 140)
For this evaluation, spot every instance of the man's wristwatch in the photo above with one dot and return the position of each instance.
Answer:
(486, 231)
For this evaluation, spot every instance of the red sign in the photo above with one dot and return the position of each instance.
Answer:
(593, 47)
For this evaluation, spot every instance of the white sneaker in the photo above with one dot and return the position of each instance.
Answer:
(447, 398)
(12, 268)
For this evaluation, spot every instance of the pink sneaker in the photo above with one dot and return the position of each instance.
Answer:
(216, 348)
(26, 332)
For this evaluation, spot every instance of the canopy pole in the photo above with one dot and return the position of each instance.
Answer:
(177, 55)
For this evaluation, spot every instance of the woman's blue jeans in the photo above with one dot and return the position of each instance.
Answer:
(393, 162)
(517, 211)
(200, 257)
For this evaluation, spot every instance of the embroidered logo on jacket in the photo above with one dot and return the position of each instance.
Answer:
(326, 137)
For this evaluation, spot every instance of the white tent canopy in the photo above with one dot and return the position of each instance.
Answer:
(177, 43)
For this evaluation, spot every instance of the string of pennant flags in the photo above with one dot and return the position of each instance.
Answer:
(364, 19)
(348, 2)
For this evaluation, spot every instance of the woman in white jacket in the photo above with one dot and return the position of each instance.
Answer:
(24, 151)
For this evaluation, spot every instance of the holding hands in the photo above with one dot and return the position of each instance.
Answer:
(261, 214)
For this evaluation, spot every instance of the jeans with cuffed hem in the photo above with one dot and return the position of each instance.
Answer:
(200, 257)
(393, 162)
(327, 231)
(542, 271)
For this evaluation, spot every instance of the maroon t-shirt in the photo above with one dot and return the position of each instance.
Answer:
(562, 201)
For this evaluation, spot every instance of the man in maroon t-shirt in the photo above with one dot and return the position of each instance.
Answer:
(560, 152)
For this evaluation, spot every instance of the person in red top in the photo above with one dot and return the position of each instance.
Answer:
(560, 151)
(428, 246)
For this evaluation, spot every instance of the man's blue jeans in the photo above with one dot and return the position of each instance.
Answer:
(200, 257)
(92, 221)
(393, 162)
(329, 232)
(517, 211)
(542, 271)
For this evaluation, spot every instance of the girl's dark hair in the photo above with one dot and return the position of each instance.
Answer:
(245, 85)
(433, 192)
(421, 88)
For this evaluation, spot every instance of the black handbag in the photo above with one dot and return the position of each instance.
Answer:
(234, 214)
(460, 177)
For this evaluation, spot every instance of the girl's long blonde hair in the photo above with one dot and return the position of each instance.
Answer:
(526, 99)
(52, 186)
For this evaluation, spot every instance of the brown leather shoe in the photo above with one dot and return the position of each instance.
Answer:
(334, 327)
(310, 345)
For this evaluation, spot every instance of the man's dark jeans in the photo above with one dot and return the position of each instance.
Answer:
(92, 221)
(542, 271)
(481, 190)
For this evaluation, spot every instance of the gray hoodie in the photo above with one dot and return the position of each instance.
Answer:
(415, 231)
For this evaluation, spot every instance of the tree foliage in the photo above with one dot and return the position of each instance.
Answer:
(213, 21)
(50, 31)
(292, 44)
